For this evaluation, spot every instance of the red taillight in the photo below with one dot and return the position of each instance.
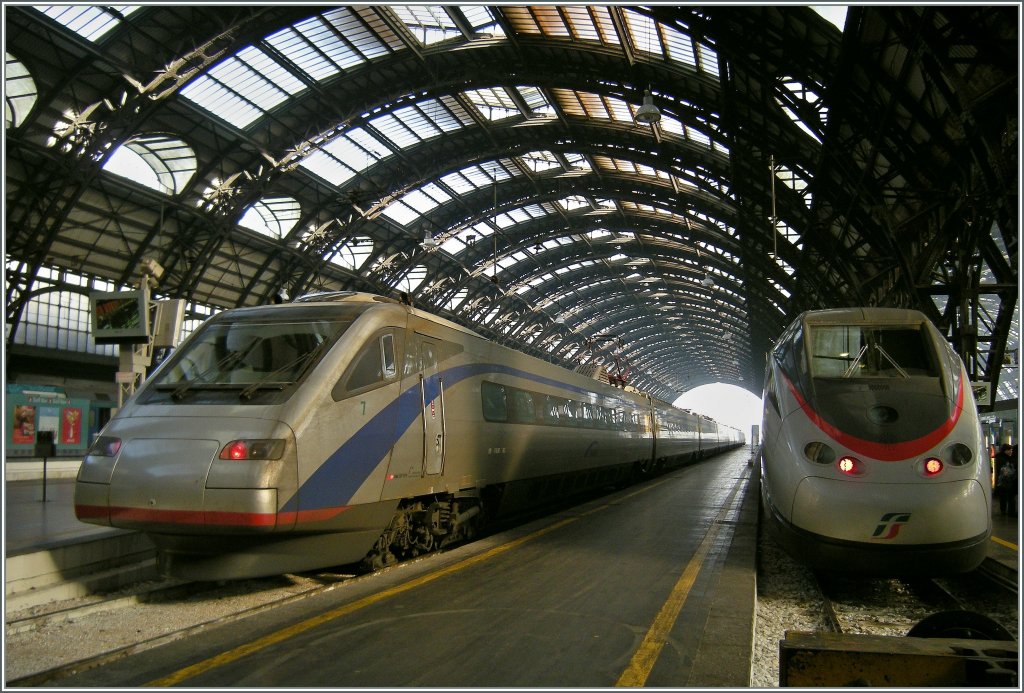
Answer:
(259, 449)
(850, 465)
(932, 466)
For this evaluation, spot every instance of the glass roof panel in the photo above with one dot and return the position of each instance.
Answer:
(272, 216)
(299, 44)
(480, 17)
(19, 91)
(428, 23)
(493, 103)
(90, 22)
(536, 100)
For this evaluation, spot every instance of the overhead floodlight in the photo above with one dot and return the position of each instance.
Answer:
(707, 281)
(648, 113)
(428, 241)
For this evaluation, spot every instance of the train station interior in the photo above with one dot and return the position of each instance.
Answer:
(652, 192)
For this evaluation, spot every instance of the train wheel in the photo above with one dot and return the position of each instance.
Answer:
(959, 624)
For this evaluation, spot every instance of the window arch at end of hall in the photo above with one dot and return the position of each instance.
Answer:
(161, 162)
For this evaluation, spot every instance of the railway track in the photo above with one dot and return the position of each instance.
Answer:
(895, 606)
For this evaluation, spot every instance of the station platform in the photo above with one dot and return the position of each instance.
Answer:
(569, 579)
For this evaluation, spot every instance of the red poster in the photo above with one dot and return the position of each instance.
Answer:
(24, 431)
(71, 426)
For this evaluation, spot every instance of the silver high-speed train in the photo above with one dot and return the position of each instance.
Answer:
(349, 427)
(873, 459)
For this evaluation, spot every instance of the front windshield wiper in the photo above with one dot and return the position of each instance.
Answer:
(228, 361)
(891, 360)
(302, 363)
(856, 361)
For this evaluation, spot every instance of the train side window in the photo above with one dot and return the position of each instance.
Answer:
(374, 366)
(550, 410)
(495, 404)
(387, 352)
(522, 403)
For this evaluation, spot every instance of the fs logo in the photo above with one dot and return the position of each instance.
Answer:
(889, 525)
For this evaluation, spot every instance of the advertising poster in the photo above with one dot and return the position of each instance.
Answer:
(24, 431)
(48, 420)
(71, 426)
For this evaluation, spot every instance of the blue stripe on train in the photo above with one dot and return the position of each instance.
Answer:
(345, 470)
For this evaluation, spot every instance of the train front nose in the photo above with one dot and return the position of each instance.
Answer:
(161, 483)
(185, 484)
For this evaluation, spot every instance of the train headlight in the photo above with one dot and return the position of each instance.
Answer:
(959, 454)
(932, 466)
(257, 449)
(820, 453)
(850, 466)
(104, 446)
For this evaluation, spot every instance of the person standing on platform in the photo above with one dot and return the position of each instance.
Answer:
(1006, 479)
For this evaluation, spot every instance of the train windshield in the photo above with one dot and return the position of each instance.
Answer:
(245, 361)
(858, 351)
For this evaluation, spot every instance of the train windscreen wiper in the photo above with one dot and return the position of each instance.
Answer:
(227, 362)
(891, 360)
(301, 364)
(856, 361)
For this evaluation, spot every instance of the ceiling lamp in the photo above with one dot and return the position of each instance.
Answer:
(648, 113)
(707, 281)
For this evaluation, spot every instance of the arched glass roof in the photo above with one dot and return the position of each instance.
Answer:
(489, 161)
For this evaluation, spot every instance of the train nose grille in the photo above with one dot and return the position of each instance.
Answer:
(883, 415)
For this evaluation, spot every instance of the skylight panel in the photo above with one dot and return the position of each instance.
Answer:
(243, 87)
(426, 198)
(644, 31)
(540, 161)
(708, 60)
(19, 91)
(536, 101)
(459, 183)
(834, 14)
(90, 22)
(352, 254)
(272, 216)
(401, 213)
(300, 50)
(428, 23)
(366, 45)
(480, 17)
(493, 104)
(327, 167)
(680, 47)
(581, 23)
(412, 279)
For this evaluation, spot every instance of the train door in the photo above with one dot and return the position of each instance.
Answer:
(432, 389)
(428, 443)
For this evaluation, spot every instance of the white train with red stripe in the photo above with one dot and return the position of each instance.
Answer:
(349, 427)
(873, 457)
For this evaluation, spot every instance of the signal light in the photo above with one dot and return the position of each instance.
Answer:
(850, 466)
(258, 449)
(933, 466)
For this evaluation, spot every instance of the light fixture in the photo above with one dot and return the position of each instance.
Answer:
(648, 113)
(428, 241)
(707, 281)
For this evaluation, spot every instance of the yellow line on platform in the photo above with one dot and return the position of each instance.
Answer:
(646, 655)
(1003, 542)
(303, 626)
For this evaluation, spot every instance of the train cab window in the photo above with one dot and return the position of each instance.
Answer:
(850, 351)
(495, 403)
(373, 366)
